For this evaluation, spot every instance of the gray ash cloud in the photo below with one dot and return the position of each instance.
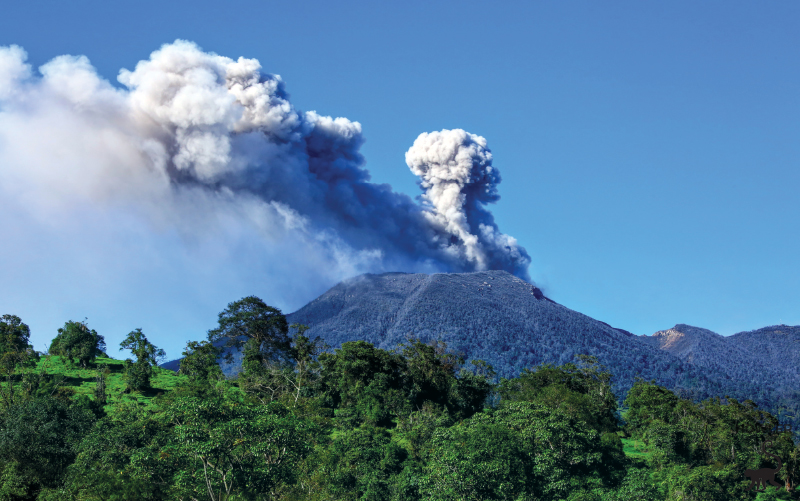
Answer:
(195, 139)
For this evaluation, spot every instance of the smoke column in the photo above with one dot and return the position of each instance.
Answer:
(195, 140)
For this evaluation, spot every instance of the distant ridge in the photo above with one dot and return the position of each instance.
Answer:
(765, 362)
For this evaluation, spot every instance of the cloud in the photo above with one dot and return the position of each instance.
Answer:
(209, 151)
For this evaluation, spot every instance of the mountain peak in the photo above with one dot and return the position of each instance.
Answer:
(683, 341)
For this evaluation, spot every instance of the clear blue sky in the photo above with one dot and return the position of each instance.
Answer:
(649, 150)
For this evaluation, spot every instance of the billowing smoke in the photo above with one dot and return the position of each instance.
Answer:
(196, 141)
(455, 170)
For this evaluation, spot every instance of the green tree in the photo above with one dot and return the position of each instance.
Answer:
(40, 437)
(15, 351)
(475, 462)
(199, 362)
(259, 329)
(581, 389)
(435, 375)
(637, 486)
(292, 380)
(76, 341)
(139, 372)
(360, 464)
(102, 469)
(305, 354)
(544, 454)
(647, 403)
(15, 347)
(364, 384)
(100, 383)
(227, 446)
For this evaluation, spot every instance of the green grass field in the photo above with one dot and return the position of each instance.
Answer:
(83, 381)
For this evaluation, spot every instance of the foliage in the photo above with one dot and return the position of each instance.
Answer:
(251, 324)
(15, 352)
(15, 347)
(582, 390)
(360, 464)
(39, 438)
(477, 461)
(199, 361)
(290, 378)
(365, 423)
(139, 372)
(77, 342)
(227, 445)
(100, 393)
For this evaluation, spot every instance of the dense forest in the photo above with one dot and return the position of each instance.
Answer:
(303, 422)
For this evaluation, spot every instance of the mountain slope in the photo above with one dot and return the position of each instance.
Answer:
(492, 316)
(763, 365)
(506, 321)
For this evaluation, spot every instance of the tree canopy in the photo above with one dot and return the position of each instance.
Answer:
(147, 355)
(417, 422)
(77, 342)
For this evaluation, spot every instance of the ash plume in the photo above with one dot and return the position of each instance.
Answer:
(196, 143)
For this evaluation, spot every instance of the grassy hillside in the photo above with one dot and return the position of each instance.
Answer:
(83, 381)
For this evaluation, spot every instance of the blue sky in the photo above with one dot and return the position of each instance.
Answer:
(649, 151)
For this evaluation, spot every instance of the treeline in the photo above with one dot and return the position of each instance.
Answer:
(301, 422)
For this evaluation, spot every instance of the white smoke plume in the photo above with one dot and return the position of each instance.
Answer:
(455, 170)
(199, 143)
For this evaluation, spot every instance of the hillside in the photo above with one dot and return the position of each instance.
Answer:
(764, 363)
(492, 316)
(765, 356)
(506, 321)
(73, 378)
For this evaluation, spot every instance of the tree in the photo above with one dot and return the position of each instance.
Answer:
(364, 384)
(15, 347)
(260, 329)
(305, 355)
(582, 389)
(360, 464)
(199, 362)
(227, 446)
(476, 462)
(100, 393)
(138, 373)
(102, 468)
(520, 451)
(436, 375)
(15, 351)
(76, 341)
(292, 380)
(41, 437)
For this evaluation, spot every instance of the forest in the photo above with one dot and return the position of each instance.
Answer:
(302, 421)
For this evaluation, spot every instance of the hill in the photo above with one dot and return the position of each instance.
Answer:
(764, 363)
(82, 381)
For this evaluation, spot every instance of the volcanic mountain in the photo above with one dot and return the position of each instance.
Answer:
(511, 324)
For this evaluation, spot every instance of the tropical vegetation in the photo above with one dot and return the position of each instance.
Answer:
(304, 422)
